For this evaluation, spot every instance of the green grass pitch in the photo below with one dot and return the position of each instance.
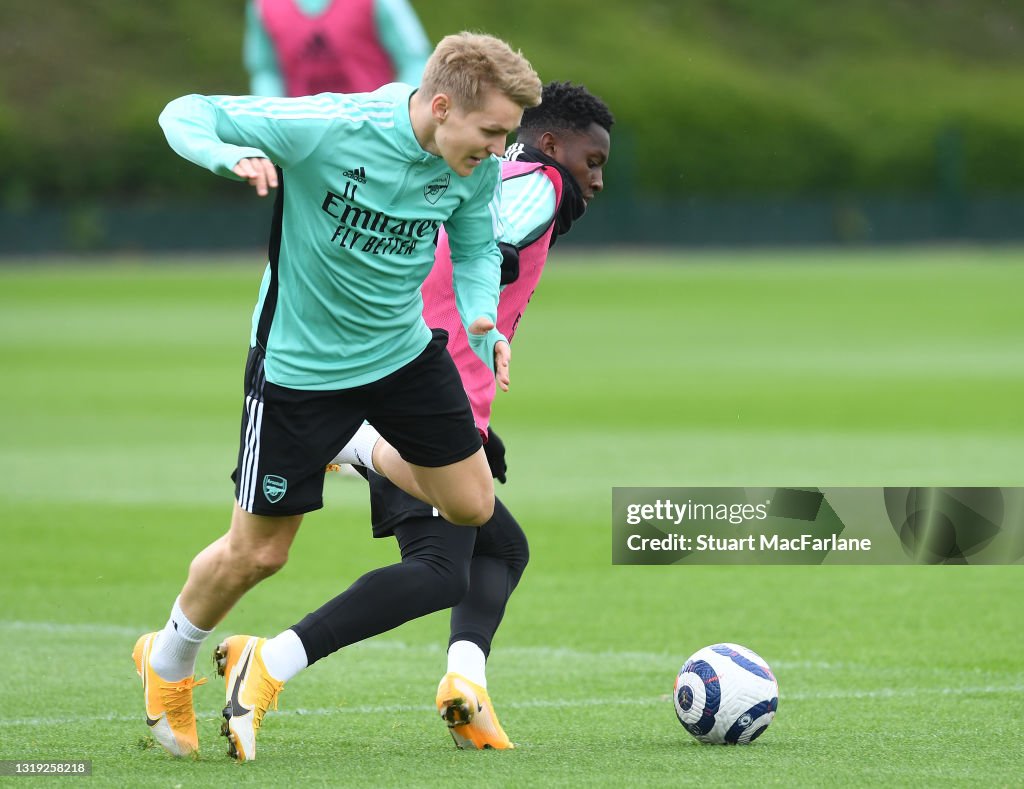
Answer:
(119, 409)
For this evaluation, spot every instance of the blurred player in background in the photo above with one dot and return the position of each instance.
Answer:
(338, 335)
(550, 173)
(305, 47)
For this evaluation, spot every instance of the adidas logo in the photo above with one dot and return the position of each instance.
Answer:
(356, 174)
(514, 151)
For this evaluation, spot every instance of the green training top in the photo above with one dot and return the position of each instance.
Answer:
(362, 204)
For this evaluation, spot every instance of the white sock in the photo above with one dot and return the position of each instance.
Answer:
(359, 450)
(174, 654)
(284, 656)
(467, 659)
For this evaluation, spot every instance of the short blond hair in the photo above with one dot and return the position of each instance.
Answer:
(465, 65)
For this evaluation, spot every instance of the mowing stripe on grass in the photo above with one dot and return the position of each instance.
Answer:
(389, 645)
(652, 701)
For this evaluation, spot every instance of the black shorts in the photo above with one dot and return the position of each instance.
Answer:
(390, 505)
(289, 436)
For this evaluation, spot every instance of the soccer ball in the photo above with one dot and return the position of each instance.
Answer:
(726, 694)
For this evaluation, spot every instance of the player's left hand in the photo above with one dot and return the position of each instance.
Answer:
(502, 351)
(502, 357)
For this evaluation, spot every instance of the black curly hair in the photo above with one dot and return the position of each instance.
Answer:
(564, 107)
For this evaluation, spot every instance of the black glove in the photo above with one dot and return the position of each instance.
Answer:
(494, 450)
(509, 263)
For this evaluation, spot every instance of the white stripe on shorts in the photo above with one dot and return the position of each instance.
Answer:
(251, 453)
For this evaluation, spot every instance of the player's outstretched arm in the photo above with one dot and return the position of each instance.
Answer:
(243, 137)
(260, 57)
(190, 125)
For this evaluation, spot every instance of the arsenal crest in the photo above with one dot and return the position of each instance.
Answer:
(436, 188)
(274, 487)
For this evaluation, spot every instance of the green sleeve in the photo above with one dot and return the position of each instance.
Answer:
(216, 132)
(259, 56)
(527, 208)
(476, 261)
(402, 35)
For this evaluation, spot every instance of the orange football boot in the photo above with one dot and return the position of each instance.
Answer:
(169, 710)
(250, 691)
(467, 709)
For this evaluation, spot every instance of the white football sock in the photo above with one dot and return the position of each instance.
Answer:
(174, 654)
(359, 450)
(284, 656)
(467, 659)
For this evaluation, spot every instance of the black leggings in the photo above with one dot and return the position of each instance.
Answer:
(471, 570)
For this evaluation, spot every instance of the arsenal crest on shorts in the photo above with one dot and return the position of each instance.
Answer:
(436, 188)
(274, 487)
